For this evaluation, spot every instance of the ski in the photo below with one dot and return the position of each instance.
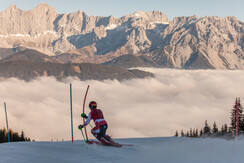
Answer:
(107, 144)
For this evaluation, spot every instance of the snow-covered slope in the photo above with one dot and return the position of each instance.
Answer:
(145, 150)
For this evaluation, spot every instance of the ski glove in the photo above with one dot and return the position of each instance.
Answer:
(83, 115)
(80, 127)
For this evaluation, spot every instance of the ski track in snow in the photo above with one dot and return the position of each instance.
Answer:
(145, 150)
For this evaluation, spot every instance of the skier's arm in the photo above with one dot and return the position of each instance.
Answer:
(87, 120)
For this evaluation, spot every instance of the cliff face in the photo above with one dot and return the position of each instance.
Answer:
(43, 29)
(185, 42)
(208, 42)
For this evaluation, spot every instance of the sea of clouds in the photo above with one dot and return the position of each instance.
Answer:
(151, 107)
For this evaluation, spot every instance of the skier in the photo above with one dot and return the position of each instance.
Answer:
(99, 131)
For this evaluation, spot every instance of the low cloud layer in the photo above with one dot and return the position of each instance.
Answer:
(153, 107)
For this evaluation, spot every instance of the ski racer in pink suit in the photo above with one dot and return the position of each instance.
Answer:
(99, 131)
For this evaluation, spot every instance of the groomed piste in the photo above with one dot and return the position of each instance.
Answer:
(145, 150)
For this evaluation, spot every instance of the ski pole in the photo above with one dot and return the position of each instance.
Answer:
(84, 138)
(90, 125)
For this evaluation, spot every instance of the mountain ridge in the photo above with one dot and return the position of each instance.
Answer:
(192, 42)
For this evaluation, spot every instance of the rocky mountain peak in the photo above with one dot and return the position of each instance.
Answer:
(12, 7)
(138, 14)
(44, 8)
(152, 16)
(11, 10)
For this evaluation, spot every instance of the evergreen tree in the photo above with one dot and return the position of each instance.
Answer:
(225, 128)
(234, 118)
(191, 134)
(2, 136)
(196, 132)
(182, 133)
(14, 136)
(215, 129)
(22, 137)
(5, 136)
(187, 134)
(206, 129)
(176, 134)
(221, 132)
(11, 134)
(201, 133)
(229, 130)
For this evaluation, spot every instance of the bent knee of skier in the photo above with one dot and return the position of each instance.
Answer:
(98, 134)
(95, 133)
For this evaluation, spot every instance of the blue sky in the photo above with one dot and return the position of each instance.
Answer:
(172, 8)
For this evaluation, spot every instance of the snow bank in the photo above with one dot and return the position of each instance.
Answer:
(153, 150)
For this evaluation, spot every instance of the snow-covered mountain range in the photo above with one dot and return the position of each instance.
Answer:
(186, 42)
